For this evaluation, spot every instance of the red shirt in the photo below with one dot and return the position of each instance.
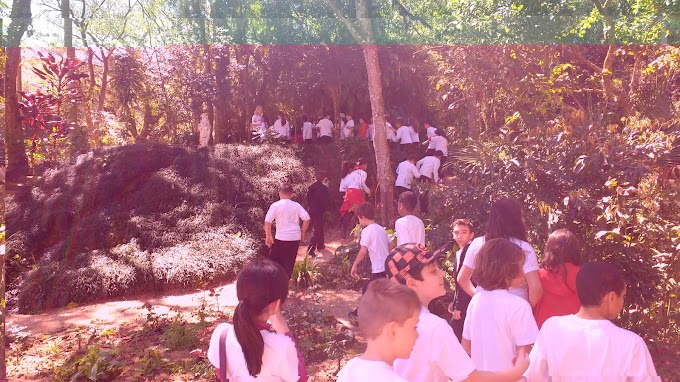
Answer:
(559, 298)
(362, 134)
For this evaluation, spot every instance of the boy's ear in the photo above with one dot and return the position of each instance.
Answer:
(411, 282)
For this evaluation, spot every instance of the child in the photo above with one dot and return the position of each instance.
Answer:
(406, 171)
(558, 276)
(587, 346)
(362, 132)
(463, 234)
(498, 323)
(428, 168)
(409, 228)
(429, 129)
(259, 343)
(437, 356)
(505, 221)
(325, 127)
(287, 214)
(281, 128)
(318, 200)
(388, 315)
(354, 196)
(403, 135)
(348, 129)
(307, 129)
(374, 243)
(347, 168)
(440, 143)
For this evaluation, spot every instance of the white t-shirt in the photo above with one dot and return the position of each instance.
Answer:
(325, 128)
(360, 370)
(570, 348)
(307, 128)
(496, 323)
(404, 135)
(348, 130)
(437, 355)
(410, 229)
(391, 134)
(431, 132)
(343, 183)
(429, 167)
(406, 171)
(287, 215)
(415, 138)
(256, 121)
(279, 359)
(357, 179)
(440, 143)
(530, 263)
(376, 240)
(282, 131)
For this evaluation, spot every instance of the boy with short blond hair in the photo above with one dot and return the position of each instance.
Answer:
(388, 316)
(587, 346)
(437, 355)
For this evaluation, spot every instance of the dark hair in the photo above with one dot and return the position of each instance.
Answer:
(498, 262)
(465, 222)
(427, 121)
(259, 283)
(409, 200)
(320, 174)
(439, 153)
(366, 210)
(562, 247)
(283, 118)
(347, 167)
(286, 189)
(505, 221)
(385, 301)
(594, 280)
(411, 155)
(305, 118)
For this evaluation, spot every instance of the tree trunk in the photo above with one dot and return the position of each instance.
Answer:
(222, 96)
(472, 113)
(17, 164)
(68, 28)
(105, 79)
(207, 57)
(382, 150)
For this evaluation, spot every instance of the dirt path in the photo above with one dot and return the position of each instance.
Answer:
(114, 313)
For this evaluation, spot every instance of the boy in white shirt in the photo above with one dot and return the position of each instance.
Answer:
(325, 127)
(437, 355)
(406, 171)
(428, 168)
(409, 228)
(287, 215)
(374, 244)
(307, 129)
(349, 127)
(439, 142)
(431, 130)
(587, 346)
(499, 324)
(403, 135)
(388, 315)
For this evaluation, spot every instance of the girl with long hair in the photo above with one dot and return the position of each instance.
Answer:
(259, 345)
(506, 222)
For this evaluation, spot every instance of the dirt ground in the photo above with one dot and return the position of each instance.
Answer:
(50, 339)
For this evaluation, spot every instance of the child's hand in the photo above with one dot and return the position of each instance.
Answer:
(355, 271)
(521, 361)
(268, 241)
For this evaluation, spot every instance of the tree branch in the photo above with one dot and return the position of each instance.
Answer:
(405, 12)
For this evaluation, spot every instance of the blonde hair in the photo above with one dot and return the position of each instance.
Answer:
(384, 302)
(259, 110)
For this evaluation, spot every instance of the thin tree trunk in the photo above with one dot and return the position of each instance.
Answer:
(472, 113)
(105, 79)
(221, 98)
(382, 150)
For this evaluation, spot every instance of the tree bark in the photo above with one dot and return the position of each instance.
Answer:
(222, 96)
(105, 79)
(382, 149)
(472, 113)
(17, 164)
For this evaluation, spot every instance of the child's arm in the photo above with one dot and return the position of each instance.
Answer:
(510, 375)
(268, 240)
(305, 227)
(360, 257)
(464, 279)
(535, 287)
(467, 345)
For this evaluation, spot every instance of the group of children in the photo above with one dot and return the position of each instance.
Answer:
(511, 318)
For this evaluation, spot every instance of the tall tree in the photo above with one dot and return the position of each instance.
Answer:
(364, 34)
(17, 164)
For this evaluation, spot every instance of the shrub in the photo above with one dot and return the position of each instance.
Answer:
(125, 220)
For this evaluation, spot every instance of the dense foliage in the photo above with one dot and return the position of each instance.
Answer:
(140, 218)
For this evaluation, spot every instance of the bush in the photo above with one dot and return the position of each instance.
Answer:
(605, 185)
(125, 220)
